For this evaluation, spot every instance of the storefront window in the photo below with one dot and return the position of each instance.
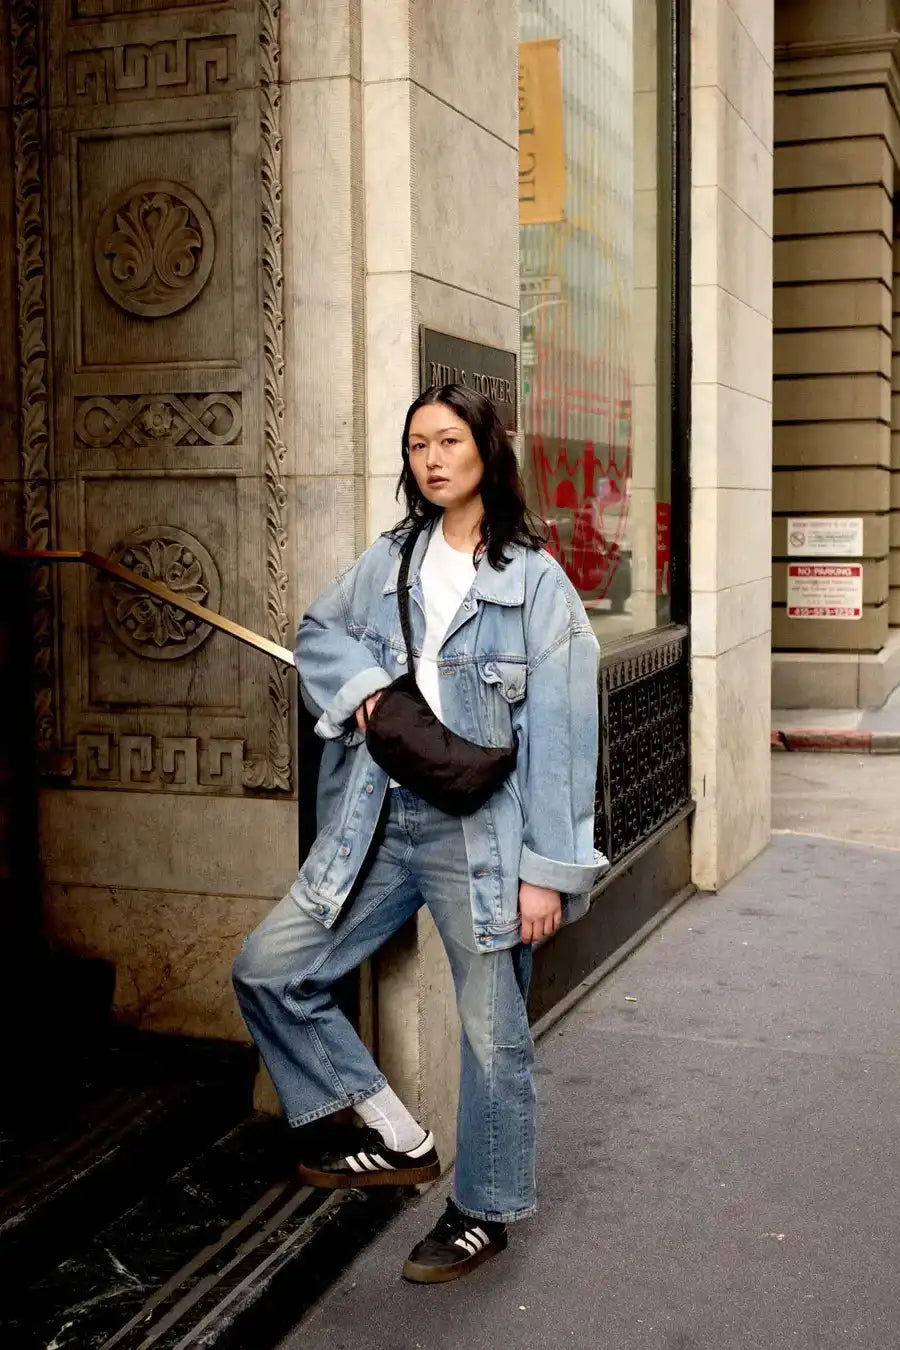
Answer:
(595, 234)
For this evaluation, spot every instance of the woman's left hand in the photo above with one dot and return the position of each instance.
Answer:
(540, 911)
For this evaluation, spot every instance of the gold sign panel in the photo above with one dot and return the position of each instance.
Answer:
(542, 161)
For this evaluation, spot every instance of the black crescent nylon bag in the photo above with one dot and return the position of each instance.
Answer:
(412, 744)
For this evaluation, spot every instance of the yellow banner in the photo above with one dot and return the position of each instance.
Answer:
(542, 160)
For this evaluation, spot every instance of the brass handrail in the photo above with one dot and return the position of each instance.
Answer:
(114, 569)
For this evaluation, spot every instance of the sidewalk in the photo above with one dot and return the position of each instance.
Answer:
(860, 730)
(719, 1155)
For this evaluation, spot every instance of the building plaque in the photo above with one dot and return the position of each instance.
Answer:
(825, 536)
(490, 370)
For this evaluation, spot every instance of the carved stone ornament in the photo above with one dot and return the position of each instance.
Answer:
(146, 624)
(154, 248)
(158, 420)
(153, 261)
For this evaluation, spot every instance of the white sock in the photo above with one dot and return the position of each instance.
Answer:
(386, 1113)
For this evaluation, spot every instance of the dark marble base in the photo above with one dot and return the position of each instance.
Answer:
(228, 1252)
(83, 1136)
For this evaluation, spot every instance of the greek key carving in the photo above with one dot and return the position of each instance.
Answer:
(154, 248)
(158, 420)
(159, 764)
(146, 624)
(273, 770)
(182, 66)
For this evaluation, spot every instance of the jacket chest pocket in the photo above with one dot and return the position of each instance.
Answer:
(502, 685)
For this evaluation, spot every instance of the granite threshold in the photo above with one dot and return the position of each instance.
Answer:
(228, 1253)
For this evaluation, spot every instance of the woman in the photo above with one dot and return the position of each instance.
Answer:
(504, 655)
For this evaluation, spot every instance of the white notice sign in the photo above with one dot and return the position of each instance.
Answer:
(825, 537)
(825, 591)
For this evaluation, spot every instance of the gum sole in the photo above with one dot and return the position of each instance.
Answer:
(440, 1274)
(352, 1181)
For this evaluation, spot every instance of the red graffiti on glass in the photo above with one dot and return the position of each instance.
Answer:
(583, 491)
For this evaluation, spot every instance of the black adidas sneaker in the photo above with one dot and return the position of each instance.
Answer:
(369, 1162)
(455, 1245)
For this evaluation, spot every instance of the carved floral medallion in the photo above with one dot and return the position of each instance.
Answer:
(154, 248)
(147, 624)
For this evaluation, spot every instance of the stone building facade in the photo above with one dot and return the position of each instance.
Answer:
(837, 402)
(226, 226)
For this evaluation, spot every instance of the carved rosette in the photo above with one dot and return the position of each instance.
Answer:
(154, 248)
(146, 624)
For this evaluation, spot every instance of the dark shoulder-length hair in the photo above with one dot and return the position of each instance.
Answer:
(507, 520)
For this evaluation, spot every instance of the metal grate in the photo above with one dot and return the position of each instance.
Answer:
(644, 776)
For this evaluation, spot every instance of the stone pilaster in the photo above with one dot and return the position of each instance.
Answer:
(731, 432)
(440, 127)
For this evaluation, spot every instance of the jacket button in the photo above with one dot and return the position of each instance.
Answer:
(345, 851)
(370, 787)
(511, 690)
(401, 658)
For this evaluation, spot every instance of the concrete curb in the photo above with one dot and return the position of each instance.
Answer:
(839, 742)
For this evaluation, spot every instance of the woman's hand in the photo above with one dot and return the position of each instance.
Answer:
(540, 911)
(369, 706)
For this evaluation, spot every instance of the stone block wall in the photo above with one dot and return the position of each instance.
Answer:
(894, 522)
(837, 141)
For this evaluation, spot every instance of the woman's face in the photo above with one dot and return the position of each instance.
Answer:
(444, 457)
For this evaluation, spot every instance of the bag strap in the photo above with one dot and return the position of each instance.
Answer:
(403, 589)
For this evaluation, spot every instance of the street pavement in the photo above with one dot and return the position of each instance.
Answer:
(720, 1125)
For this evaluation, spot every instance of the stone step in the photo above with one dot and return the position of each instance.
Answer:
(86, 1136)
(228, 1253)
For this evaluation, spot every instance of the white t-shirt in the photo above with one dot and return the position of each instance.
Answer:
(446, 576)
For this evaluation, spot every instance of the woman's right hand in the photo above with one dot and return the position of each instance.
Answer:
(369, 706)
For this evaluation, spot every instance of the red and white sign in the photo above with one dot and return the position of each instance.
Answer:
(825, 591)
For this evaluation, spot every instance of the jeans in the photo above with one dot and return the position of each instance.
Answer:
(284, 976)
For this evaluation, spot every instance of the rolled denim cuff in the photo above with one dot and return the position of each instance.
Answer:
(567, 878)
(332, 724)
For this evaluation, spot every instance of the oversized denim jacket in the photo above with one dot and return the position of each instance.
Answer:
(519, 661)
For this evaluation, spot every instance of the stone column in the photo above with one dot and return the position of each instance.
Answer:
(731, 432)
(837, 139)
(441, 240)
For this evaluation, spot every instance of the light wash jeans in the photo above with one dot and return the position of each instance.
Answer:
(284, 977)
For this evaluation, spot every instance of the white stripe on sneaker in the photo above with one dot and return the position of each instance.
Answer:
(476, 1241)
(354, 1164)
(426, 1144)
(461, 1242)
(388, 1167)
(367, 1162)
(479, 1232)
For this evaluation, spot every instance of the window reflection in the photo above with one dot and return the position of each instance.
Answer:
(596, 456)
